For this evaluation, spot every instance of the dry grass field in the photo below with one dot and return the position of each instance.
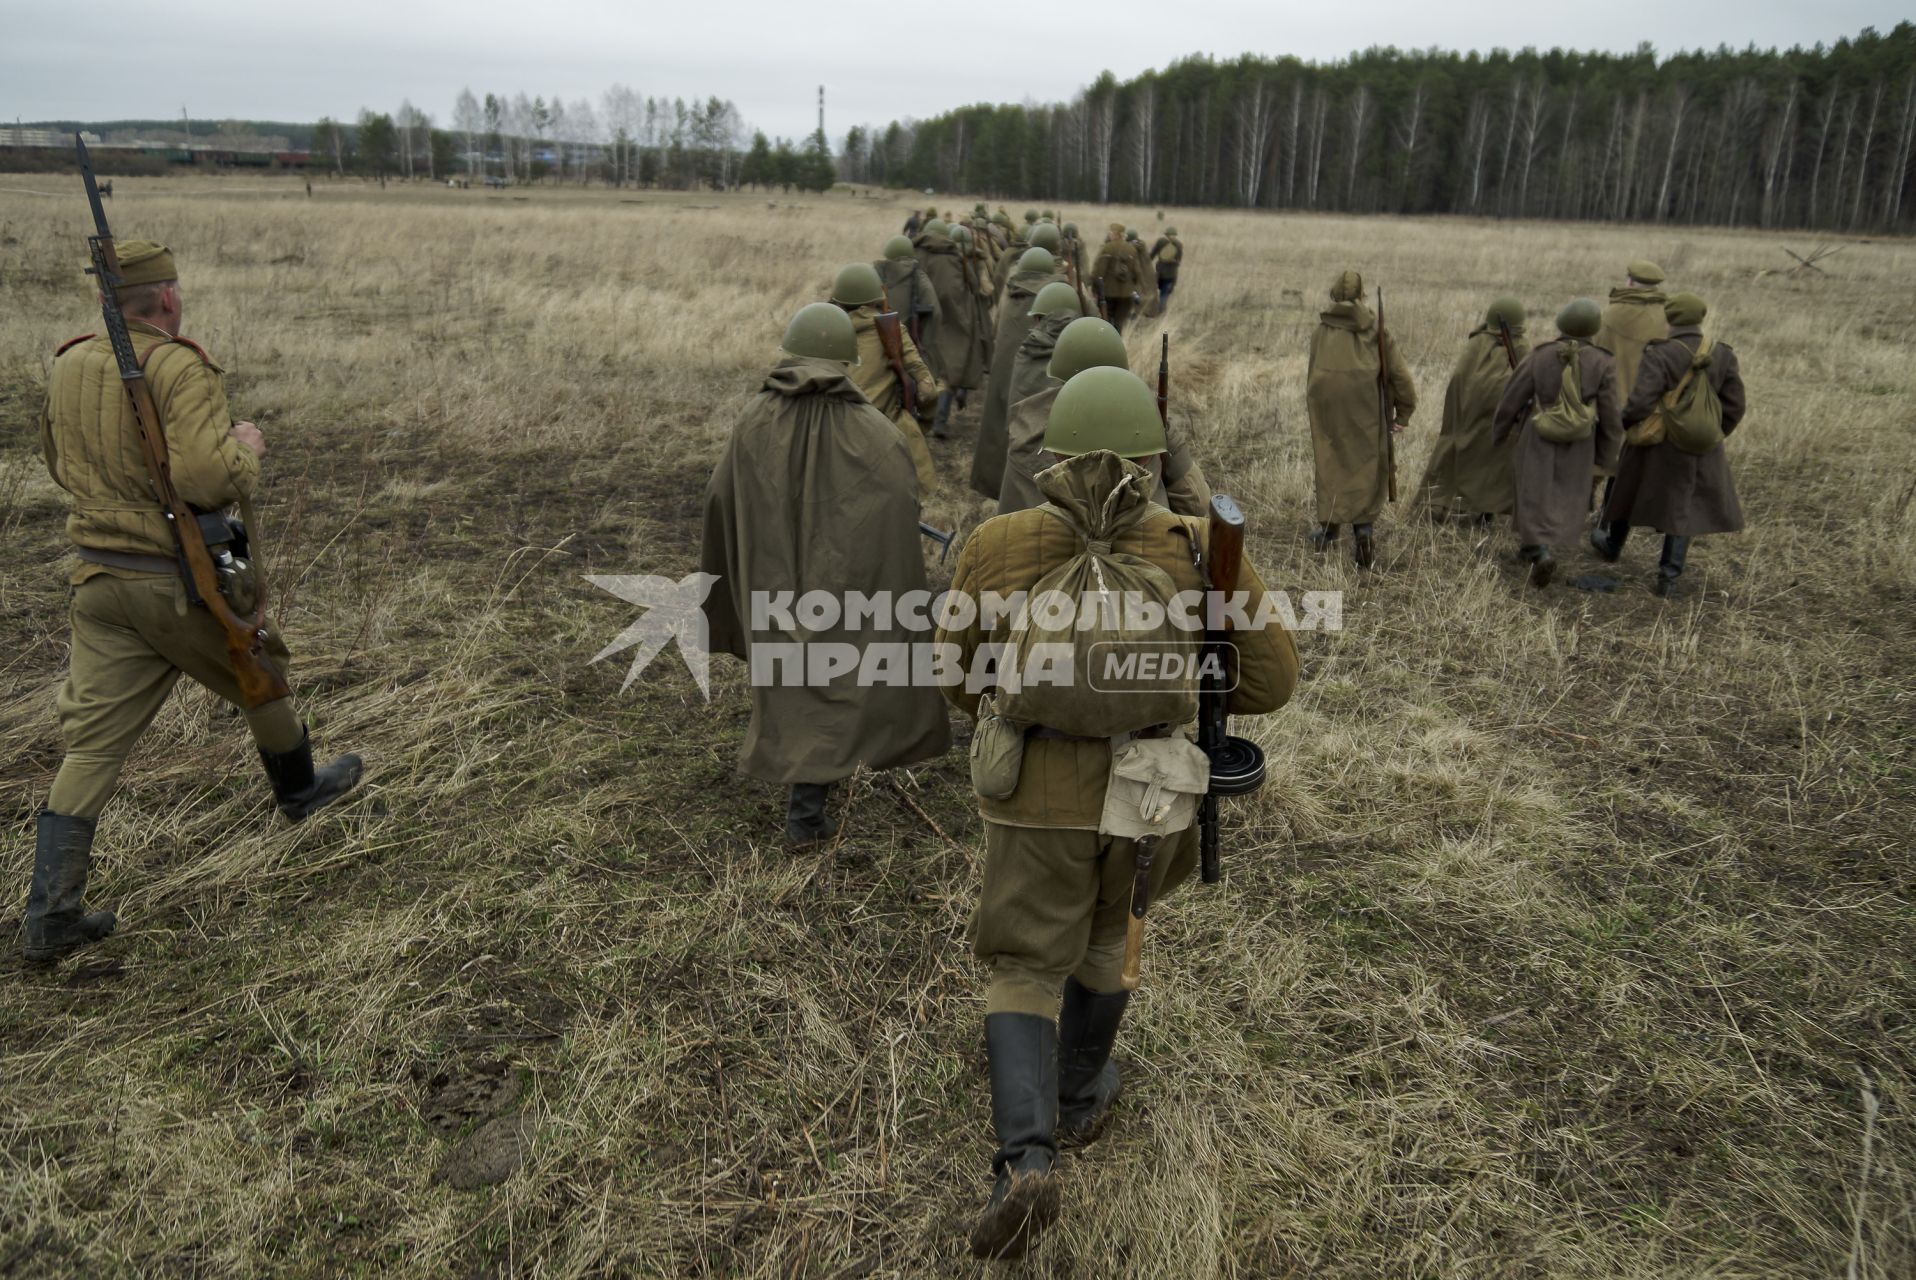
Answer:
(1572, 937)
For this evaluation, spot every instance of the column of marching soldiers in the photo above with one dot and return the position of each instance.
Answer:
(820, 489)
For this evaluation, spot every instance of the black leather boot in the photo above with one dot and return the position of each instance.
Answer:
(1087, 1078)
(57, 921)
(299, 788)
(1363, 545)
(1543, 565)
(1608, 541)
(1023, 1049)
(1323, 536)
(1670, 563)
(941, 420)
(805, 818)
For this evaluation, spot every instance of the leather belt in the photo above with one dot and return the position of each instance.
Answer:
(126, 560)
(1046, 731)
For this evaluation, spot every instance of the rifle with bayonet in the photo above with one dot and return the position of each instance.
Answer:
(1386, 411)
(259, 681)
(891, 337)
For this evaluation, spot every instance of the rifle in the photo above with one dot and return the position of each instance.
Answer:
(1385, 411)
(1510, 348)
(1164, 379)
(939, 536)
(1071, 270)
(892, 339)
(1097, 291)
(260, 682)
(912, 321)
(1237, 764)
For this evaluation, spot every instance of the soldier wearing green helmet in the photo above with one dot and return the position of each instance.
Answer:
(909, 292)
(1036, 268)
(861, 295)
(1468, 476)
(1054, 894)
(956, 347)
(1087, 343)
(1031, 216)
(1018, 239)
(1561, 404)
(1047, 237)
(1352, 464)
(811, 455)
(1680, 494)
(1167, 255)
(1073, 249)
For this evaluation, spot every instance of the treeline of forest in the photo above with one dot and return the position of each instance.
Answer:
(1818, 137)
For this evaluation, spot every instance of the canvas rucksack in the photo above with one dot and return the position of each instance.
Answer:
(1170, 254)
(1570, 417)
(1692, 413)
(1105, 695)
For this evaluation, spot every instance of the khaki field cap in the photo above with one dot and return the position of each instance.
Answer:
(1580, 318)
(1348, 287)
(1117, 229)
(1685, 309)
(1105, 408)
(1644, 271)
(143, 262)
(822, 331)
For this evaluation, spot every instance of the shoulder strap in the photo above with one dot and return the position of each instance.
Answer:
(72, 342)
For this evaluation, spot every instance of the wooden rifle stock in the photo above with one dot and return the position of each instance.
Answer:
(259, 681)
(1223, 564)
(892, 340)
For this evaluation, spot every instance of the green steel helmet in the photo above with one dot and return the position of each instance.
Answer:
(1056, 296)
(1170, 233)
(1071, 229)
(1038, 260)
(1505, 311)
(857, 284)
(999, 219)
(962, 234)
(1580, 319)
(937, 227)
(898, 247)
(1045, 236)
(1049, 216)
(1086, 343)
(1105, 408)
(822, 330)
(979, 208)
(1130, 233)
(1031, 215)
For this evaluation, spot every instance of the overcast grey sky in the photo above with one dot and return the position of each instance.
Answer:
(278, 61)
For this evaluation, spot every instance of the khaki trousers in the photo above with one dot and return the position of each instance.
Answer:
(1054, 902)
(132, 640)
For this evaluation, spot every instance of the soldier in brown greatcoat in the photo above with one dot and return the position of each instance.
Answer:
(1659, 486)
(1553, 475)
